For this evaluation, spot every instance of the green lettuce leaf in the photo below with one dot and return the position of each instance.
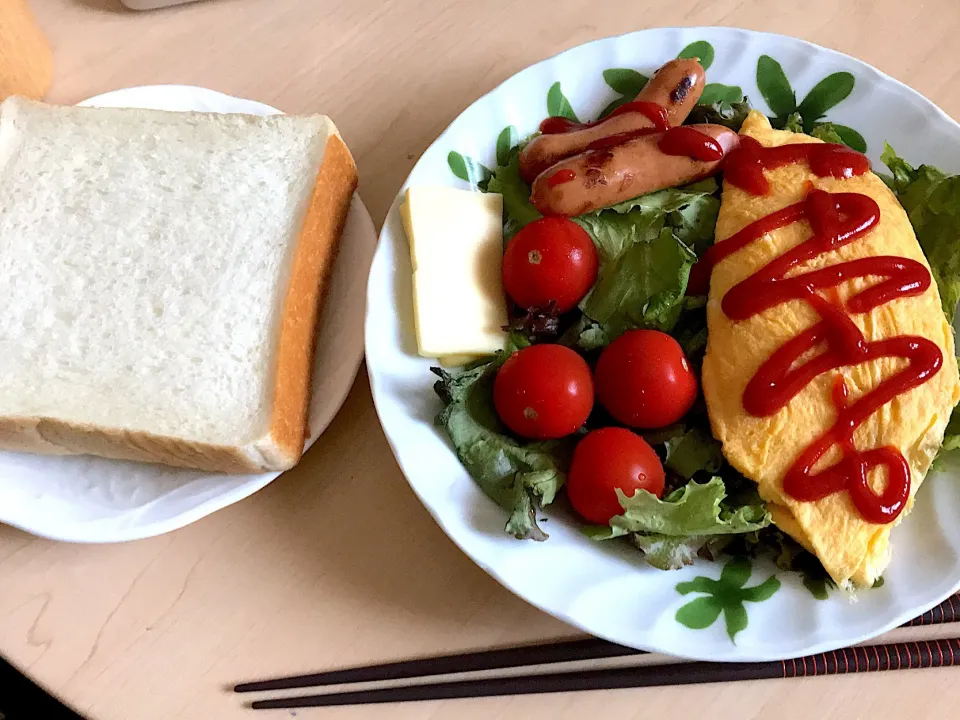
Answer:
(827, 133)
(521, 478)
(615, 231)
(642, 287)
(694, 451)
(951, 438)
(794, 123)
(903, 173)
(951, 441)
(729, 114)
(667, 201)
(669, 553)
(691, 211)
(517, 209)
(691, 329)
(647, 246)
(694, 223)
(694, 509)
(592, 337)
(932, 201)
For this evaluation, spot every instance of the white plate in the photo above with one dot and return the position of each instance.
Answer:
(608, 590)
(88, 499)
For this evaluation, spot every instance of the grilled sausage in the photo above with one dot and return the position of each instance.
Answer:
(606, 176)
(676, 87)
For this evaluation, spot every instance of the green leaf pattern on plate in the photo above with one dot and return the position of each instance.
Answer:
(851, 137)
(506, 141)
(715, 92)
(840, 133)
(700, 49)
(700, 614)
(807, 115)
(775, 88)
(725, 596)
(558, 105)
(827, 93)
(625, 81)
(466, 168)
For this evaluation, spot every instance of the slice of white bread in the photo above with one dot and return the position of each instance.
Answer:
(161, 276)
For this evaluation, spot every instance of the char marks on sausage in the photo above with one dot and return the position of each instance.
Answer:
(680, 91)
(594, 177)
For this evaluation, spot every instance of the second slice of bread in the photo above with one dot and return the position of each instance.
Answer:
(162, 275)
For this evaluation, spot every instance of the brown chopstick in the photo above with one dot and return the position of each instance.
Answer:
(918, 654)
(545, 654)
(894, 656)
(946, 612)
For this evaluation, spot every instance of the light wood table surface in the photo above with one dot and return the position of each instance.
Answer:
(336, 563)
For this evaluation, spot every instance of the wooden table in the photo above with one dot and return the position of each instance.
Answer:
(337, 563)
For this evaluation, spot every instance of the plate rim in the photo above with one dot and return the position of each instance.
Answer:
(872, 74)
(80, 533)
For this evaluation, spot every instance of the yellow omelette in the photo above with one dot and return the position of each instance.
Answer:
(853, 551)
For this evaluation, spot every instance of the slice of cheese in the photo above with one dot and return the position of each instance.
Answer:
(456, 249)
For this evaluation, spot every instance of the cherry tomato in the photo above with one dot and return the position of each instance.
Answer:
(608, 459)
(550, 260)
(644, 380)
(543, 392)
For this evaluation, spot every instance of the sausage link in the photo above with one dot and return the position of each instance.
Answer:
(676, 87)
(603, 177)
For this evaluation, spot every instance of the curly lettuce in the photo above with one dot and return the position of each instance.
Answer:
(647, 247)
(673, 531)
(522, 478)
(932, 201)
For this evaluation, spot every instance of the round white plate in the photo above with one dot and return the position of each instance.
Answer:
(89, 499)
(608, 590)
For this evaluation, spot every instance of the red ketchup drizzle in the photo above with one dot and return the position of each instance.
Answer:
(560, 177)
(744, 168)
(690, 143)
(840, 392)
(656, 114)
(836, 220)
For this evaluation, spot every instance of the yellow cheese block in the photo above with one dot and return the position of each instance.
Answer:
(456, 249)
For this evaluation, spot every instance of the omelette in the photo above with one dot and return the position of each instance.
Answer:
(853, 550)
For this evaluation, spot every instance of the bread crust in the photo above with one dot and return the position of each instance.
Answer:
(282, 445)
(49, 436)
(309, 279)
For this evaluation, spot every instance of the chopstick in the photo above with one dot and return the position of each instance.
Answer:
(916, 654)
(546, 654)
(894, 656)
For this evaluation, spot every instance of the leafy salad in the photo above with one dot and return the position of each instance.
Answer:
(646, 248)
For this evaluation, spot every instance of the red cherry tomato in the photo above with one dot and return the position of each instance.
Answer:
(608, 459)
(543, 392)
(644, 380)
(550, 260)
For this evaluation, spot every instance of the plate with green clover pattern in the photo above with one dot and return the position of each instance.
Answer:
(720, 582)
